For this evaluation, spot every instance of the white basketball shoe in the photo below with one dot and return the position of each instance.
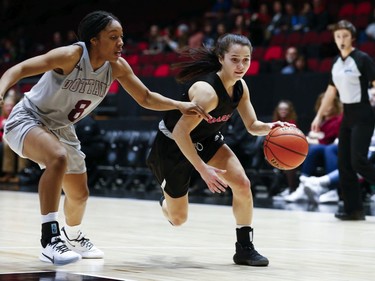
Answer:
(82, 245)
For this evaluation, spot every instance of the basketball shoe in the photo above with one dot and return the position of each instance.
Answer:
(249, 256)
(313, 191)
(82, 245)
(58, 253)
(298, 195)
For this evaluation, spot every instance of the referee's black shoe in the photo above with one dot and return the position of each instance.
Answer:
(248, 256)
(353, 216)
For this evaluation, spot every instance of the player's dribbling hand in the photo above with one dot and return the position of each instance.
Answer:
(190, 108)
(281, 124)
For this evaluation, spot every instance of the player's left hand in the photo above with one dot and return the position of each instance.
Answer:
(190, 108)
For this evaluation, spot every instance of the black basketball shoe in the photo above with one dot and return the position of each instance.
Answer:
(249, 256)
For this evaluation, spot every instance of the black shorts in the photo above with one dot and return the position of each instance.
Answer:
(171, 168)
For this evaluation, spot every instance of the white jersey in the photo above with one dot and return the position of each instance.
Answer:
(61, 100)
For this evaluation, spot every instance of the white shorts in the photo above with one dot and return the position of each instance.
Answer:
(21, 121)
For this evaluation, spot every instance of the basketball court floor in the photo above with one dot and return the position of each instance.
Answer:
(301, 242)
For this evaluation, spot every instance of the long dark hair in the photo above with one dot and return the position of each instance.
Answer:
(91, 25)
(204, 60)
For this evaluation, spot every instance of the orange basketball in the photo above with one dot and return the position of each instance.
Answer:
(285, 148)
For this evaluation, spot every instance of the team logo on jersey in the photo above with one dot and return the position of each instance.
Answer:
(223, 118)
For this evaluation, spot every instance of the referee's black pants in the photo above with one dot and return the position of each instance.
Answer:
(354, 142)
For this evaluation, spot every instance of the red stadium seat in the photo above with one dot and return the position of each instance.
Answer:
(273, 53)
(147, 70)
(363, 8)
(368, 47)
(162, 70)
(258, 53)
(278, 39)
(254, 68)
(346, 11)
(325, 65)
(313, 64)
(132, 59)
(294, 39)
(309, 38)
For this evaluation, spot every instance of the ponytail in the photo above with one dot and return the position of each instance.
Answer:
(201, 61)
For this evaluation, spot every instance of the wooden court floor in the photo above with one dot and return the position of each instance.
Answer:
(140, 245)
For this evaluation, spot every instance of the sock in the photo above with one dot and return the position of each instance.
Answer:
(50, 217)
(72, 231)
(324, 180)
(49, 230)
(244, 235)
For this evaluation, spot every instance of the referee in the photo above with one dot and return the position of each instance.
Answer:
(353, 72)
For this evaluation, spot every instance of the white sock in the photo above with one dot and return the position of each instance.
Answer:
(324, 180)
(50, 217)
(72, 231)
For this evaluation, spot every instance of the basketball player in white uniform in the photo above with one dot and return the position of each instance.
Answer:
(76, 79)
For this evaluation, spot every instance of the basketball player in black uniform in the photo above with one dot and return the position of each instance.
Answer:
(183, 144)
(353, 72)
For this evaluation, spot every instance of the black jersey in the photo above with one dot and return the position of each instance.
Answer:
(220, 114)
(351, 76)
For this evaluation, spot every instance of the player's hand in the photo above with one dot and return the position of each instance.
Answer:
(214, 182)
(281, 124)
(190, 108)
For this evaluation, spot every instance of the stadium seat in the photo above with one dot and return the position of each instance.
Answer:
(258, 53)
(325, 65)
(132, 59)
(162, 70)
(346, 11)
(368, 47)
(363, 9)
(273, 53)
(147, 70)
(313, 64)
(278, 39)
(294, 39)
(254, 68)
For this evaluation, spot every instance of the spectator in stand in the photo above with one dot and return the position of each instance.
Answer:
(285, 112)
(277, 21)
(71, 37)
(370, 29)
(259, 21)
(180, 41)
(322, 148)
(219, 8)
(8, 51)
(240, 27)
(12, 164)
(208, 34)
(306, 16)
(240, 7)
(196, 34)
(221, 29)
(320, 19)
(156, 43)
(292, 19)
(300, 65)
(291, 55)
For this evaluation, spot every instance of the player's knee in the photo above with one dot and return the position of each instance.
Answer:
(243, 187)
(58, 160)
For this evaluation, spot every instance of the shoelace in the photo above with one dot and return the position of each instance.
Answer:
(84, 242)
(59, 246)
